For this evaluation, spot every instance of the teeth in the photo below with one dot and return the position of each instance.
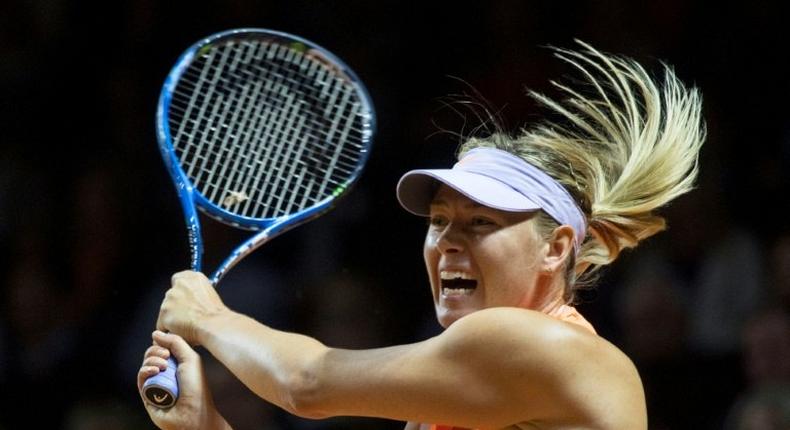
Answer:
(457, 291)
(457, 283)
(447, 274)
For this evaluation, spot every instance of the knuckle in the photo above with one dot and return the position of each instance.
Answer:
(151, 361)
(179, 276)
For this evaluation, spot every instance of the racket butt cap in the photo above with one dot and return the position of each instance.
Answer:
(161, 390)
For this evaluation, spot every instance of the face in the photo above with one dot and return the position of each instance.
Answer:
(478, 257)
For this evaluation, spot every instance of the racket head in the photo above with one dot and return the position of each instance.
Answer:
(261, 128)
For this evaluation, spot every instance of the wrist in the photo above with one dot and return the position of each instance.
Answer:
(210, 326)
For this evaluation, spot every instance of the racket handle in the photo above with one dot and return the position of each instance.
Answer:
(161, 390)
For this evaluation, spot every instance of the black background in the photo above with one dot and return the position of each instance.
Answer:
(90, 227)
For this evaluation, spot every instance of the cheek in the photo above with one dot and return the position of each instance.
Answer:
(509, 266)
(429, 248)
(430, 254)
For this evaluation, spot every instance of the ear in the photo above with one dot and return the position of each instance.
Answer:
(560, 245)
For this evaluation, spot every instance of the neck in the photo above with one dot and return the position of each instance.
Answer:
(547, 296)
(551, 306)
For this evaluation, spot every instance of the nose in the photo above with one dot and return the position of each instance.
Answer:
(450, 240)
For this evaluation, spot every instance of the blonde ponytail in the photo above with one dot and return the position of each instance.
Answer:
(624, 148)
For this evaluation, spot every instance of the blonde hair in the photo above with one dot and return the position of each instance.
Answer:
(623, 151)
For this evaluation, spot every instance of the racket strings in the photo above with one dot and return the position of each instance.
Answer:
(311, 101)
(317, 129)
(355, 136)
(279, 193)
(264, 129)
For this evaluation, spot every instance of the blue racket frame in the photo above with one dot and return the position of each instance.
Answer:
(191, 199)
(162, 389)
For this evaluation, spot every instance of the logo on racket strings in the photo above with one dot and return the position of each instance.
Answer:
(234, 198)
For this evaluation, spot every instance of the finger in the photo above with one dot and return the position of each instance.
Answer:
(177, 346)
(188, 275)
(144, 373)
(184, 277)
(188, 280)
(158, 362)
(156, 351)
(180, 275)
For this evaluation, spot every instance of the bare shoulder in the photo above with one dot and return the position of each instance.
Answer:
(564, 362)
(512, 327)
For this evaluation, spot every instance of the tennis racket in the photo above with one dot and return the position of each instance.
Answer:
(261, 130)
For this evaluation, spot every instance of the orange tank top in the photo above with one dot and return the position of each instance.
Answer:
(563, 313)
(570, 314)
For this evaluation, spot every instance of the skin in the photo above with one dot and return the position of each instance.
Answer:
(500, 361)
(468, 237)
(195, 408)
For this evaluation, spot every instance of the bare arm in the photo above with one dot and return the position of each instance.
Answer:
(483, 372)
(490, 369)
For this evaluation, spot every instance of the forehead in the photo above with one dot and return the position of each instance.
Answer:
(447, 197)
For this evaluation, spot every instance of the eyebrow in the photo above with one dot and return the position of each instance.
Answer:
(470, 204)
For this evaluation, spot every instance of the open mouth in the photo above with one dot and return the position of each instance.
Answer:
(457, 283)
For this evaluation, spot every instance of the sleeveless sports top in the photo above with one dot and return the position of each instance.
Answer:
(570, 314)
(563, 313)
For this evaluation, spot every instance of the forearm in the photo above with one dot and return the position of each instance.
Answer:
(277, 366)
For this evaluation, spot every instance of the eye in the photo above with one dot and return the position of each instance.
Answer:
(437, 221)
(481, 221)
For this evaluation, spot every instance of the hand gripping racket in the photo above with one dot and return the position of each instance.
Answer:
(261, 130)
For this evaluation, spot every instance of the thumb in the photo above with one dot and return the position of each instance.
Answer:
(182, 352)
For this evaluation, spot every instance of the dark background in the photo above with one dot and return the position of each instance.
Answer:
(90, 227)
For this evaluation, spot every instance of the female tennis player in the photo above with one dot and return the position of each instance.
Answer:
(516, 227)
